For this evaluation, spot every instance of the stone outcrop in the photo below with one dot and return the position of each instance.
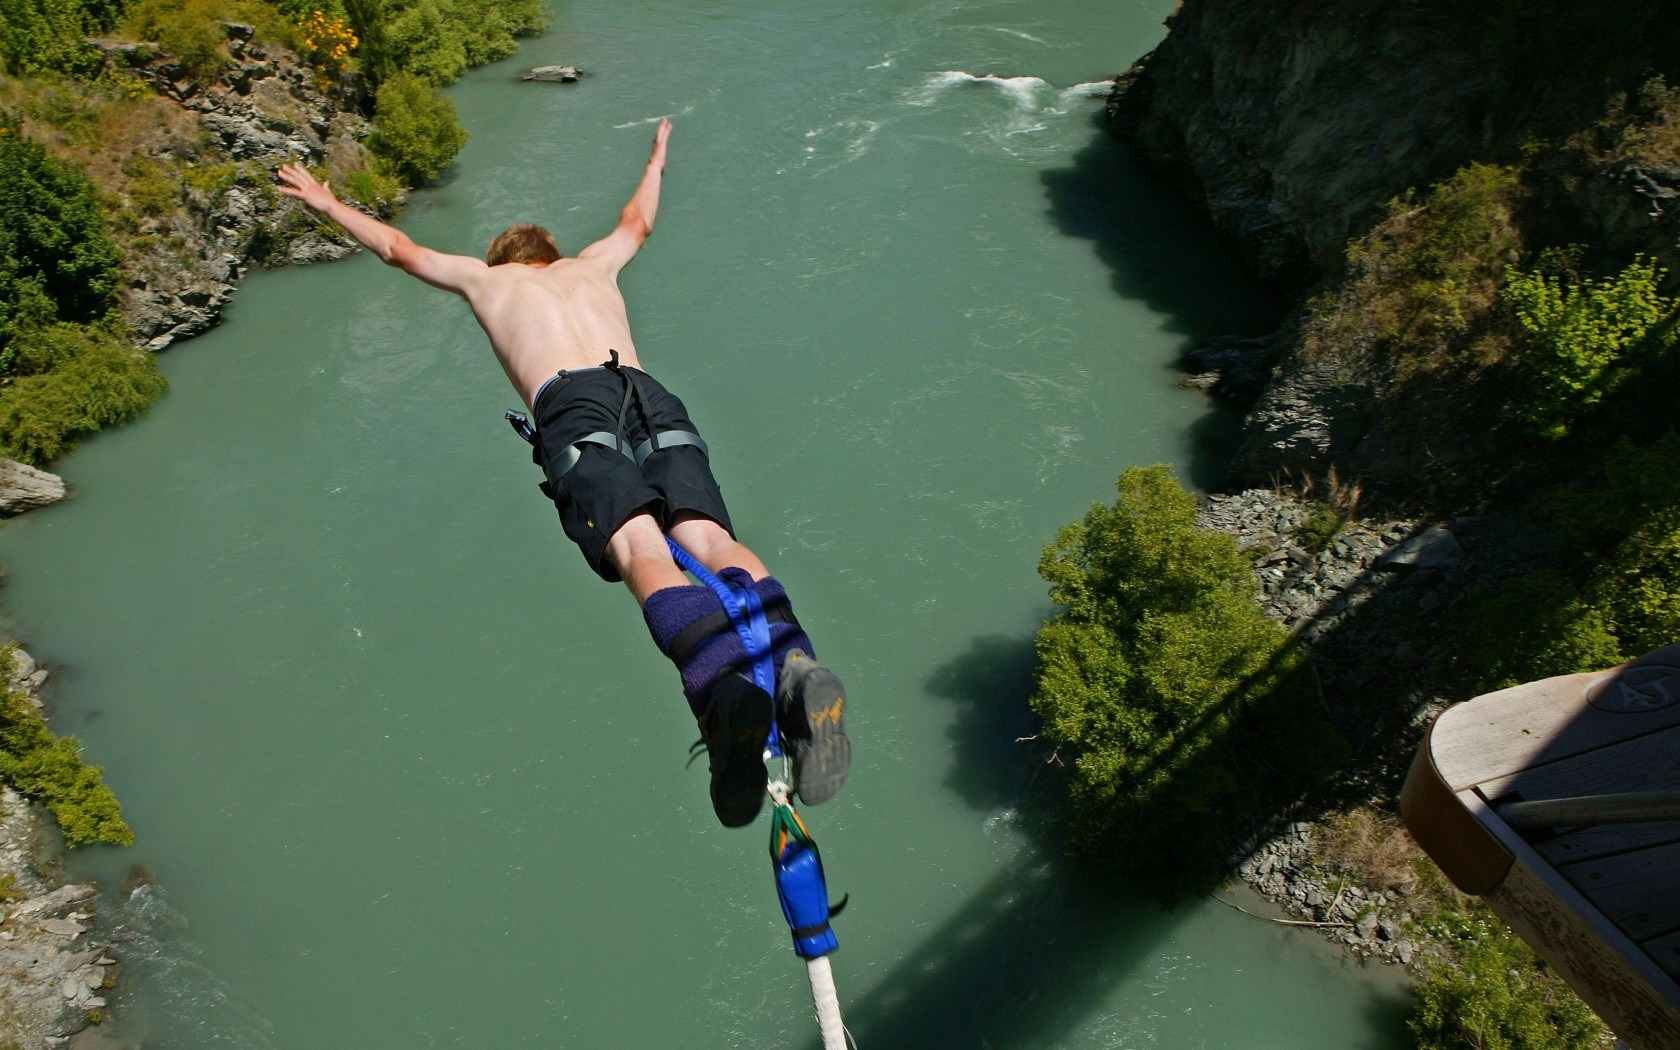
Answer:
(23, 487)
(265, 108)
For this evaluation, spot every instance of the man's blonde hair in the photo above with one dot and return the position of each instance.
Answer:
(521, 243)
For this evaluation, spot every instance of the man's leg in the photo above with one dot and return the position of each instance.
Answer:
(639, 553)
(716, 548)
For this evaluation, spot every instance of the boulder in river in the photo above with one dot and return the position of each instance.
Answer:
(22, 487)
(553, 74)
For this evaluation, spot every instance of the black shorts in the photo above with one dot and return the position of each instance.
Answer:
(604, 487)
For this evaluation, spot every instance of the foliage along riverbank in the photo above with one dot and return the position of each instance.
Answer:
(137, 145)
(1459, 466)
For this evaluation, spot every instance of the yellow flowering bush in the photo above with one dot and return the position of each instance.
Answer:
(328, 41)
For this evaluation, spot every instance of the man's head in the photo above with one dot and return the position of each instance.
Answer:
(523, 242)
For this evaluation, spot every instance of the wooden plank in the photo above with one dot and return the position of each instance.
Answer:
(1615, 976)
(1665, 952)
(1466, 853)
(1639, 891)
(1503, 733)
(1645, 763)
(1590, 843)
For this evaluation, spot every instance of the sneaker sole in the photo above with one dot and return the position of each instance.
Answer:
(738, 792)
(821, 750)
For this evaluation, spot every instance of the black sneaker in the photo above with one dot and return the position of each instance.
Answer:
(734, 728)
(811, 711)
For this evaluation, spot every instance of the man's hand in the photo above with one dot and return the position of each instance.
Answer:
(302, 185)
(660, 137)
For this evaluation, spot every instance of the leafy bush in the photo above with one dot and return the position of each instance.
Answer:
(418, 131)
(38, 36)
(52, 239)
(1534, 626)
(373, 187)
(93, 381)
(189, 30)
(42, 765)
(1584, 335)
(1160, 676)
(425, 43)
(1640, 588)
(1496, 995)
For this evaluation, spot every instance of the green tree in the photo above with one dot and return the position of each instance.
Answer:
(419, 133)
(1157, 661)
(53, 245)
(424, 42)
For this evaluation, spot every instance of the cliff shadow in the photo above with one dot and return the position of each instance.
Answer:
(1161, 252)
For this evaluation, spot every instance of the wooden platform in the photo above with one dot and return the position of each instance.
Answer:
(1601, 904)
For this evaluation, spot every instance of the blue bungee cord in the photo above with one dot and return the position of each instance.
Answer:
(794, 859)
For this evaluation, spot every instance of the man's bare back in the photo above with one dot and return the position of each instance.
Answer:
(541, 319)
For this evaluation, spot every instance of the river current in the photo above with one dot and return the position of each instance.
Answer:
(407, 775)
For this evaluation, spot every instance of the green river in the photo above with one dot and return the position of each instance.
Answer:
(408, 776)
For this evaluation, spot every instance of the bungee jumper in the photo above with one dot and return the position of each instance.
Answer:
(628, 472)
(630, 476)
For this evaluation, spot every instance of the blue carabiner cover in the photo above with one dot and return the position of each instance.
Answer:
(804, 892)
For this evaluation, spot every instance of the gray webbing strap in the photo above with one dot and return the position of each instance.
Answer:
(667, 439)
(573, 453)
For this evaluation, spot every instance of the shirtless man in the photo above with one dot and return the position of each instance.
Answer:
(624, 464)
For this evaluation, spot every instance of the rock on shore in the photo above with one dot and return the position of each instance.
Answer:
(23, 487)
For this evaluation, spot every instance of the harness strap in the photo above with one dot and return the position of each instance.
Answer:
(666, 439)
(574, 452)
(703, 630)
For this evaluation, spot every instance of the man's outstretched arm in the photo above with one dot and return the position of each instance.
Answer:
(635, 220)
(452, 273)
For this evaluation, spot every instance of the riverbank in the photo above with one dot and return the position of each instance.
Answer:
(58, 967)
(1460, 432)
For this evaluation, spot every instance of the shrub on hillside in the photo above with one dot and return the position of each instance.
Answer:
(93, 381)
(39, 36)
(1496, 995)
(1424, 277)
(1584, 337)
(51, 768)
(53, 242)
(189, 30)
(419, 133)
(1182, 707)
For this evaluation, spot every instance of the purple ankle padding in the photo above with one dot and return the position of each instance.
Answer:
(668, 613)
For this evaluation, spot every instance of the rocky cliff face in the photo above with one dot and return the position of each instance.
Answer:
(263, 109)
(1295, 127)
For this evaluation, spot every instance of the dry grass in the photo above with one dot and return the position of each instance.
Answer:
(1421, 285)
(1374, 849)
(100, 126)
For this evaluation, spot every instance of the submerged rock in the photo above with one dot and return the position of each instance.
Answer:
(553, 74)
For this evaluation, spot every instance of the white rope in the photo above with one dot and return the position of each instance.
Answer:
(827, 1002)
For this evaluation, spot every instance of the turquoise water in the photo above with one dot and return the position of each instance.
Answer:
(408, 776)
